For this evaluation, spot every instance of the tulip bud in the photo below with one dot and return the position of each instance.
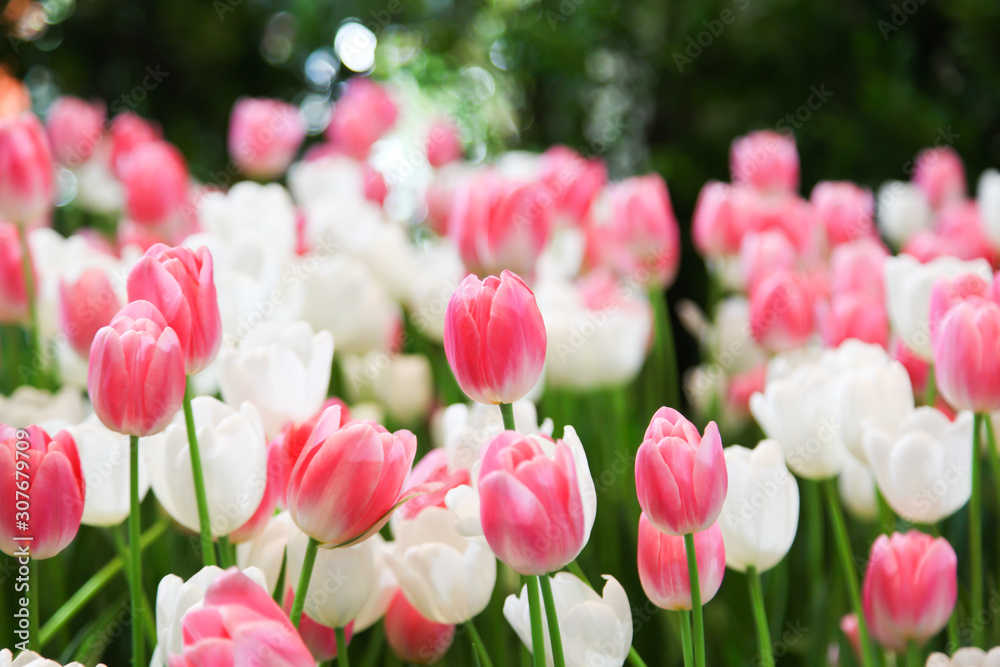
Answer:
(575, 182)
(845, 211)
(155, 177)
(26, 174)
(74, 126)
(854, 315)
(414, 638)
(949, 291)
(967, 356)
(764, 253)
(264, 135)
(715, 227)
(663, 568)
(765, 159)
(85, 305)
(136, 377)
(360, 117)
(940, 174)
(680, 478)
(494, 338)
(858, 267)
(129, 131)
(443, 143)
(781, 311)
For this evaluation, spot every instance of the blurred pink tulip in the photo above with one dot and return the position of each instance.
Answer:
(136, 374)
(786, 212)
(13, 295)
(155, 177)
(361, 117)
(574, 181)
(851, 629)
(967, 356)
(663, 568)
(857, 266)
(494, 338)
(680, 477)
(264, 136)
(845, 210)
(855, 314)
(75, 127)
(180, 283)
(916, 367)
(375, 188)
(26, 171)
(443, 143)
(435, 469)
(947, 292)
(715, 225)
(46, 471)
(766, 160)
(910, 588)
(85, 305)
(781, 311)
(763, 253)
(940, 174)
(414, 639)
(128, 131)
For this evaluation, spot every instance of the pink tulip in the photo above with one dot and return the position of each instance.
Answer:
(960, 223)
(786, 212)
(499, 224)
(857, 266)
(910, 588)
(532, 506)
(155, 177)
(13, 295)
(413, 638)
(663, 569)
(360, 117)
(180, 283)
(781, 311)
(435, 469)
(318, 638)
(26, 173)
(948, 292)
(940, 174)
(857, 315)
(239, 624)
(375, 188)
(443, 143)
(85, 305)
(129, 131)
(766, 160)
(44, 474)
(845, 210)
(136, 375)
(75, 127)
(348, 479)
(494, 338)
(763, 253)
(574, 181)
(264, 135)
(680, 478)
(967, 356)
(291, 442)
(852, 630)
(744, 385)
(715, 226)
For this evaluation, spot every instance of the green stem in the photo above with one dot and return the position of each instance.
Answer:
(687, 646)
(33, 594)
(696, 611)
(507, 412)
(976, 534)
(225, 552)
(376, 642)
(477, 645)
(279, 587)
(537, 631)
(122, 547)
(299, 603)
(930, 389)
(994, 456)
(342, 658)
(558, 659)
(135, 553)
(575, 568)
(954, 643)
(635, 659)
(94, 585)
(34, 339)
(914, 657)
(207, 548)
(666, 353)
(760, 617)
(850, 576)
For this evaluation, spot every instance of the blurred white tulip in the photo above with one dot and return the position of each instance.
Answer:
(902, 211)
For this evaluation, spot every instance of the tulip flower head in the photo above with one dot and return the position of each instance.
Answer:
(967, 356)
(264, 135)
(663, 569)
(767, 160)
(26, 173)
(414, 638)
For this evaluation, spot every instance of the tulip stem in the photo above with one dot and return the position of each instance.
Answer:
(299, 603)
(976, 533)
(135, 553)
(207, 547)
(279, 588)
(994, 456)
(635, 659)
(664, 356)
(477, 645)
(760, 617)
(93, 586)
(342, 659)
(846, 562)
(699, 621)
(575, 568)
(686, 645)
(34, 340)
(913, 656)
(122, 543)
(930, 387)
(34, 640)
(537, 631)
(507, 412)
(558, 659)
(225, 554)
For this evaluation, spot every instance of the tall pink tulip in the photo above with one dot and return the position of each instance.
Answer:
(136, 375)
(939, 172)
(361, 117)
(443, 143)
(13, 295)
(264, 135)
(85, 305)
(414, 639)
(663, 568)
(494, 338)
(46, 471)
(781, 311)
(239, 624)
(910, 588)
(680, 477)
(348, 479)
(765, 159)
(845, 210)
(26, 172)
(180, 283)
(155, 177)
(75, 126)
(967, 356)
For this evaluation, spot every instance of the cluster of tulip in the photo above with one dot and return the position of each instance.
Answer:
(201, 325)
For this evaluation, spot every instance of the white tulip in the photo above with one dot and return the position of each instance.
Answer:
(857, 490)
(908, 285)
(335, 176)
(283, 370)
(28, 406)
(966, 657)
(98, 190)
(251, 213)
(32, 659)
(596, 631)
(104, 461)
(761, 512)
(383, 592)
(923, 464)
(902, 211)
(446, 577)
(233, 458)
(988, 199)
(266, 551)
(342, 580)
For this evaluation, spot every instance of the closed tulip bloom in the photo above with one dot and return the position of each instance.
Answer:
(948, 292)
(763, 253)
(781, 311)
(940, 174)
(360, 117)
(13, 295)
(264, 135)
(443, 143)
(680, 477)
(348, 479)
(129, 131)
(239, 621)
(854, 315)
(180, 282)
(26, 173)
(53, 480)
(845, 210)
(447, 577)
(596, 629)
(969, 656)
(155, 177)
(494, 338)
(413, 638)
(858, 267)
(537, 500)
(575, 182)
(967, 356)
(136, 374)
(761, 513)
(765, 159)
(85, 305)
(74, 126)
(663, 570)
(910, 588)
